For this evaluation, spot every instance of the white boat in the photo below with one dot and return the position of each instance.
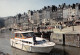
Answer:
(27, 41)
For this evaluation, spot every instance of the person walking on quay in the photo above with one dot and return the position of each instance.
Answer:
(38, 29)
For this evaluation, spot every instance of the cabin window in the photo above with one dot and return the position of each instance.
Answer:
(27, 42)
(40, 42)
(44, 40)
(25, 35)
(31, 34)
(17, 35)
(20, 35)
(30, 43)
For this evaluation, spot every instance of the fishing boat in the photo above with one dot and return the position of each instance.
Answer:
(27, 41)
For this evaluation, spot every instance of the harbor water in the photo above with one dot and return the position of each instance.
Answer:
(57, 50)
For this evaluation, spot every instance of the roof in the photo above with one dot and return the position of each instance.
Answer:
(23, 31)
(31, 39)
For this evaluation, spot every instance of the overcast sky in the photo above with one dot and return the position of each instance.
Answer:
(13, 7)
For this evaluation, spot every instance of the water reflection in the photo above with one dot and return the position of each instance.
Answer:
(65, 50)
(58, 50)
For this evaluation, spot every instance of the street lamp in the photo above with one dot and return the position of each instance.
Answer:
(72, 22)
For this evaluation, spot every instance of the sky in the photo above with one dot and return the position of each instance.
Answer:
(13, 7)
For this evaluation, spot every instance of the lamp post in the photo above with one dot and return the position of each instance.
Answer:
(72, 23)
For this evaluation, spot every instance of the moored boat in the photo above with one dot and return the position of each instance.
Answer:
(27, 41)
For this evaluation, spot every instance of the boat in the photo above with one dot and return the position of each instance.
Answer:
(27, 41)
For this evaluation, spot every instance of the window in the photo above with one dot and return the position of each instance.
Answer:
(20, 35)
(25, 35)
(31, 34)
(30, 43)
(42, 41)
(17, 35)
(27, 42)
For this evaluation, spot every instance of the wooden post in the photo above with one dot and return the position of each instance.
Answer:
(64, 39)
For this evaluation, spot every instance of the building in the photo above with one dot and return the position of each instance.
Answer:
(59, 14)
(70, 11)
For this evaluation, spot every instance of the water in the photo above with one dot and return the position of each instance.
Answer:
(57, 50)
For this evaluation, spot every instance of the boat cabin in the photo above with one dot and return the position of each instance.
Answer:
(29, 37)
(24, 35)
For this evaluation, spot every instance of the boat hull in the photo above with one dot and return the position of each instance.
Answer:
(41, 49)
(34, 48)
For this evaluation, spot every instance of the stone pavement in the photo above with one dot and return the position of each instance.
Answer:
(68, 30)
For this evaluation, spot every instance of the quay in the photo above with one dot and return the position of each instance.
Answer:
(66, 36)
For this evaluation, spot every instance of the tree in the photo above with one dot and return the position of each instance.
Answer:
(31, 12)
(69, 5)
(54, 8)
(19, 16)
(45, 7)
(73, 6)
(48, 6)
(24, 13)
(79, 6)
(2, 24)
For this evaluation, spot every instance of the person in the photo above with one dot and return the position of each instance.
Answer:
(42, 35)
(38, 29)
(34, 40)
(60, 27)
